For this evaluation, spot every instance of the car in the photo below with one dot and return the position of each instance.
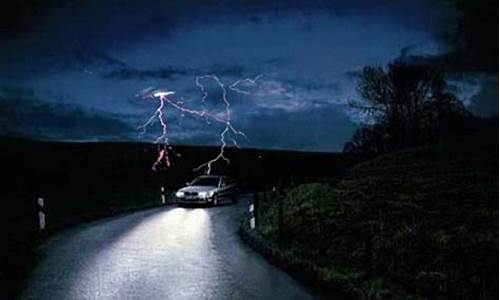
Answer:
(208, 189)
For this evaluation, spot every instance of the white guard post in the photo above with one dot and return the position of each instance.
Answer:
(252, 216)
(162, 195)
(41, 215)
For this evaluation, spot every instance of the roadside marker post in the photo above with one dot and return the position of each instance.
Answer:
(42, 225)
(252, 215)
(163, 195)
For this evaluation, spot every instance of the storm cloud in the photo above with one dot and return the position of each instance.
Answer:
(87, 62)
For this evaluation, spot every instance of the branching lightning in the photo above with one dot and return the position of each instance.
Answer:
(251, 81)
(229, 131)
(162, 140)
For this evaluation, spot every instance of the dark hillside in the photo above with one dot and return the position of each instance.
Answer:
(423, 221)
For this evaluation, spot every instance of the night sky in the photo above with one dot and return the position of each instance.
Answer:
(75, 72)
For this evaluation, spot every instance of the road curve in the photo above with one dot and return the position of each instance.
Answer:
(164, 253)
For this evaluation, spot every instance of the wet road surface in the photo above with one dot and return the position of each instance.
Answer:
(164, 253)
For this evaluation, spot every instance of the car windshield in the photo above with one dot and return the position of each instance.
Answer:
(206, 181)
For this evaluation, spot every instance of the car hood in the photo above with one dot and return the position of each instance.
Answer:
(198, 188)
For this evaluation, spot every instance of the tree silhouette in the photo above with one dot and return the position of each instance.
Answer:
(409, 104)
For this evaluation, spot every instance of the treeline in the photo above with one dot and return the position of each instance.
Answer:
(404, 105)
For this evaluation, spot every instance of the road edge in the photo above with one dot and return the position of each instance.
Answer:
(299, 271)
(31, 258)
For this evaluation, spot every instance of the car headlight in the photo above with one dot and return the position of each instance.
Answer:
(179, 194)
(206, 194)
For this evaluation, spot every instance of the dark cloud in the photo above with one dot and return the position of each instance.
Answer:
(18, 17)
(354, 74)
(23, 114)
(231, 71)
(136, 17)
(255, 19)
(323, 128)
(87, 56)
(318, 128)
(485, 103)
(319, 102)
(275, 61)
(168, 72)
(99, 54)
(470, 35)
(312, 85)
(474, 36)
(131, 73)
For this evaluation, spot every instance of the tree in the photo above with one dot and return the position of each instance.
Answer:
(409, 104)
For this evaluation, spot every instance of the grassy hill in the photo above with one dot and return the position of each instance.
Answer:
(419, 223)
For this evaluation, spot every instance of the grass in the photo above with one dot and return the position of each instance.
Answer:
(416, 224)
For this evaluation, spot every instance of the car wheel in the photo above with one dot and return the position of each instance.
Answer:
(215, 202)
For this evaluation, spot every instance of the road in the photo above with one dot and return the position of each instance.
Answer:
(163, 253)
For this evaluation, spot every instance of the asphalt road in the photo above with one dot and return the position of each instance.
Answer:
(164, 253)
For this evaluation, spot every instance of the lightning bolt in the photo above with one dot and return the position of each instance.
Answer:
(229, 131)
(162, 140)
(251, 81)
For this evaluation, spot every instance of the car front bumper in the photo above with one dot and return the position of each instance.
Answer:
(194, 200)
